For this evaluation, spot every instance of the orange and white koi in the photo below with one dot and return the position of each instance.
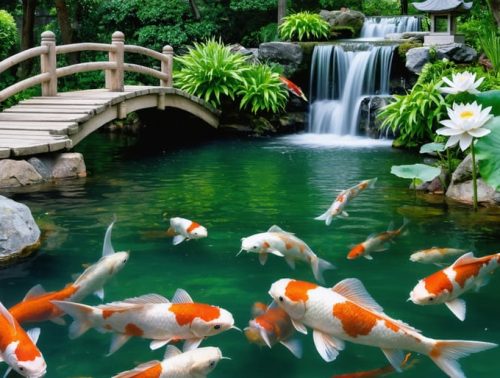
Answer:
(272, 327)
(375, 243)
(196, 363)
(379, 372)
(446, 285)
(150, 316)
(293, 88)
(18, 348)
(347, 312)
(343, 199)
(287, 245)
(435, 255)
(37, 304)
(182, 229)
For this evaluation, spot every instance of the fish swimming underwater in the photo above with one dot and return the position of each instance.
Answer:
(184, 229)
(375, 243)
(287, 245)
(343, 199)
(272, 327)
(37, 305)
(379, 372)
(446, 285)
(150, 316)
(18, 348)
(435, 255)
(293, 88)
(347, 312)
(196, 363)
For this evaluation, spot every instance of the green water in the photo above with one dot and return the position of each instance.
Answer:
(235, 189)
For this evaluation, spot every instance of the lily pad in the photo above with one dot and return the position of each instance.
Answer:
(488, 153)
(490, 98)
(432, 147)
(422, 172)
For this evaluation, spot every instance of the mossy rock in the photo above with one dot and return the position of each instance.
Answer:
(342, 32)
(405, 46)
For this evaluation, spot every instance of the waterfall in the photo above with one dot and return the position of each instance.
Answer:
(379, 27)
(341, 77)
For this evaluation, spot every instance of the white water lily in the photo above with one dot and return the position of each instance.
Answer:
(462, 82)
(466, 122)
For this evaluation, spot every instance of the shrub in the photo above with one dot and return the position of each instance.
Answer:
(304, 26)
(8, 34)
(490, 42)
(209, 70)
(267, 33)
(262, 90)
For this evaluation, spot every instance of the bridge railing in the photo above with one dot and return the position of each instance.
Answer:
(114, 68)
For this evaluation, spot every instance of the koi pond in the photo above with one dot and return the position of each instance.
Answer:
(237, 188)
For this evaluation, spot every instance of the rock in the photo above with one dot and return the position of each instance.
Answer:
(414, 35)
(250, 54)
(456, 52)
(368, 121)
(464, 171)
(285, 53)
(436, 185)
(69, 165)
(344, 19)
(43, 166)
(19, 234)
(18, 173)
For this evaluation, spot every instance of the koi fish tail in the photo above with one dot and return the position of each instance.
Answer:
(171, 232)
(371, 183)
(327, 217)
(446, 353)
(403, 230)
(319, 266)
(81, 315)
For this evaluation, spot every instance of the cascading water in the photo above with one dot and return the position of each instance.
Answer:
(341, 77)
(379, 27)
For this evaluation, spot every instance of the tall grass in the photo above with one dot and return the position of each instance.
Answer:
(490, 42)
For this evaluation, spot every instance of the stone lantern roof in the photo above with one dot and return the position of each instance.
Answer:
(443, 6)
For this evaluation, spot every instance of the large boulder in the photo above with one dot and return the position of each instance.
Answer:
(288, 54)
(456, 52)
(19, 234)
(347, 19)
(18, 173)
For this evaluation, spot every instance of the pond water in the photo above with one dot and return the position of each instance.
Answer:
(237, 188)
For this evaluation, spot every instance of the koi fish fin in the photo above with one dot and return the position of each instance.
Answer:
(464, 259)
(327, 217)
(107, 248)
(371, 183)
(290, 261)
(344, 214)
(299, 326)
(191, 344)
(137, 370)
(171, 351)
(457, 306)
(262, 258)
(134, 302)
(117, 342)
(319, 266)
(294, 346)
(354, 290)
(482, 282)
(382, 249)
(75, 276)
(327, 346)
(265, 337)
(275, 228)
(59, 321)
(7, 315)
(171, 232)
(368, 257)
(181, 296)
(446, 353)
(80, 314)
(275, 252)
(99, 293)
(35, 291)
(9, 369)
(178, 239)
(34, 334)
(395, 357)
(157, 344)
(272, 305)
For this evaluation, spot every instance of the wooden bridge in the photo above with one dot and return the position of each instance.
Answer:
(58, 121)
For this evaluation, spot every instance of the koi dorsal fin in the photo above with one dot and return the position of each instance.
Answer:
(136, 301)
(275, 228)
(171, 351)
(181, 296)
(35, 291)
(107, 248)
(353, 290)
(464, 259)
(7, 315)
(34, 334)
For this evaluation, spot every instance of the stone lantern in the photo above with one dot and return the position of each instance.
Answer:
(443, 20)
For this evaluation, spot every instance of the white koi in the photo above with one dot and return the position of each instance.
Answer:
(184, 229)
(435, 255)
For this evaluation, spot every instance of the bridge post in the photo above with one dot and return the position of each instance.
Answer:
(114, 78)
(166, 66)
(48, 64)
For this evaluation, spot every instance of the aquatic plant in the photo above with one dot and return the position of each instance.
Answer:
(462, 82)
(416, 172)
(262, 90)
(488, 156)
(210, 70)
(303, 26)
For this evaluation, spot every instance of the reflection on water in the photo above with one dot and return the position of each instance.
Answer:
(235, 189)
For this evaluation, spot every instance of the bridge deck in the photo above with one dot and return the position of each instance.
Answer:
(46, 124)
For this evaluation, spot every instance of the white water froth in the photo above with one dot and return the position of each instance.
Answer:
(333, 141)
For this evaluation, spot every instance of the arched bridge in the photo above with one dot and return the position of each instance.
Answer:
(58, 121)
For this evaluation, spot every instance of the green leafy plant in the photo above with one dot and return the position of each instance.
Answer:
(487, 152)
(210, 70)
(262, 90)
(490, 42)
(8, 34)
(304, 26)
(416, 172)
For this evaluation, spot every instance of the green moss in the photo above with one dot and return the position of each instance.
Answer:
(342, 32)
(405, 46)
